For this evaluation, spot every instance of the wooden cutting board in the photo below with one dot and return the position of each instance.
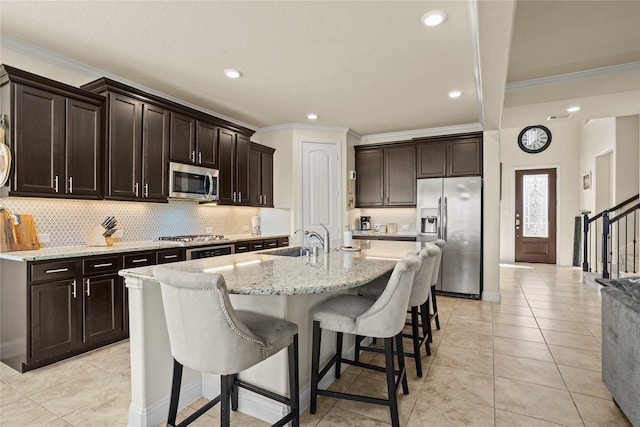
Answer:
(22, 236)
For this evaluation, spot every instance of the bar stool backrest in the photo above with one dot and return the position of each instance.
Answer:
(205, 332)
(423, 276)
(436, 271)
(386, 317)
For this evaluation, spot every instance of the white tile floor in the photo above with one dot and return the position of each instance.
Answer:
(532, 360)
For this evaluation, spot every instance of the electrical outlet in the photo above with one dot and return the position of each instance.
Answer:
(245, 228)
(405, 227)
(208, 230)
(44, 238)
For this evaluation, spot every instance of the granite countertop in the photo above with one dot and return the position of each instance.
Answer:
(263, 273)
(84, 250)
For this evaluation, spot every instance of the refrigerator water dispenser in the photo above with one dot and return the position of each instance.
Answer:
(429, 221)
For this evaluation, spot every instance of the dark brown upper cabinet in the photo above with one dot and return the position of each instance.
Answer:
(451, 155)
(193, 141)
(233, 156)
(55, 133)
(261, 175)
(386, 175)
(137, 144)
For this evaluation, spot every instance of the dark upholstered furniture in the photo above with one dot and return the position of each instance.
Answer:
(621, 344)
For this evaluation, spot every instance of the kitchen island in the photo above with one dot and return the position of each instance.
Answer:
(276, 285)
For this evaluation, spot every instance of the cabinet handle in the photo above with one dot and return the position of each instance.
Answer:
(135, 261)
(56, 270)
(170, 256)
(199, 157)
(55, 181)
(242, 248)
(146, 190)
(258, 246)
(239, 197)
(264, 200)
(88, 285)
(73, 292)
(234, 197)
(106, 264)
(70, 184)
(260, 199)
(135, 188)
(193, 156)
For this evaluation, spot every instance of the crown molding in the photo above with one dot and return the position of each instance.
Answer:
(303, 126)
(420, 133)
(49, 57)
(630, 66)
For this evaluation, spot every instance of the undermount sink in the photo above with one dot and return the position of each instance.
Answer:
(292, 252)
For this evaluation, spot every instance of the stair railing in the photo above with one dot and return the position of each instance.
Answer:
(604, 222)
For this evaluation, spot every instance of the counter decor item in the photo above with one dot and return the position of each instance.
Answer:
(5, 153)
(17, 232)
(392, 227)
(255, 226)
(347, 239)
(100, 235)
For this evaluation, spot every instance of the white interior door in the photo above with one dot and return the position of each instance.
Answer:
(320, 196)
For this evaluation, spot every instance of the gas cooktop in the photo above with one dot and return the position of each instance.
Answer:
(191, 238)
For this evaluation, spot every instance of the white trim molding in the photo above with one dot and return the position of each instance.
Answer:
(420, 133)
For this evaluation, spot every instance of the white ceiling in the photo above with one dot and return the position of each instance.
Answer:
(367, 65)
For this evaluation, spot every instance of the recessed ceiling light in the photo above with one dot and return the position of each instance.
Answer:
(455, 94)
(312, 116)
(573, 109)
(233, 74)
(433, 18)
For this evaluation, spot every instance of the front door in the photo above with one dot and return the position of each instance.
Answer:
(535, 221)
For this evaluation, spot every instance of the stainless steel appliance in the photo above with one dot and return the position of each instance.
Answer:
(451, 209)
(193, 182)
(206, 250)
(365, 223)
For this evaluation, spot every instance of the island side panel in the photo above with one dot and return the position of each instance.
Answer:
(14, 319)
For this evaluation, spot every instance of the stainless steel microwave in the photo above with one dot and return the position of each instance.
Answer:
(193, 182)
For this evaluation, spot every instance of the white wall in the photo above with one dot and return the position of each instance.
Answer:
(597, 138)
(491, 221)
(626, 153)
(563, 154)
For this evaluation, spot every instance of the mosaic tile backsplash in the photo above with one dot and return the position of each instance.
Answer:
(68, 221)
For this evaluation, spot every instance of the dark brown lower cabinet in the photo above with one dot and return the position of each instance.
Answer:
(55, 319)
(103, 308)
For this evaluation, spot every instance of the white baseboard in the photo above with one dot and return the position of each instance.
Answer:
(157, 412)
(491, 296)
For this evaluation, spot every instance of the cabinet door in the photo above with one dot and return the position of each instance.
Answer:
(431, 159)
(266, 173)
(155, 146)
(226, 159)
(242, 170)
(83, 149)
(255, 178)
(369, 182)
(39, 145)
(183, 138)
(465, 157)
(103, 308)
(207, 143)
(400, 175)
(55, 318)
(125, 138)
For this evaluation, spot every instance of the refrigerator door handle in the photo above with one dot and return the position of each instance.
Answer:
(439, 217)
(446, 219)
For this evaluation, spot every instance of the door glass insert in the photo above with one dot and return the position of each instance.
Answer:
(536, 205)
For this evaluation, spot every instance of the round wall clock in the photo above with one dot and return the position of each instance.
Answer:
(534, 139)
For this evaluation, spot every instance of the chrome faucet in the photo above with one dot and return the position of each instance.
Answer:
(325, 241)
(317, 236)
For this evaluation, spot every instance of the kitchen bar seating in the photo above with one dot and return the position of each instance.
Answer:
(433, 312)
(418, 304)
(206, 334)
(358, 315)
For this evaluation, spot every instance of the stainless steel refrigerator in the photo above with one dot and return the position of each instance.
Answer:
(451, 209)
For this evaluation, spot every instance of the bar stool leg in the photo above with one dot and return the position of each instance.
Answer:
(416, 340)
(175, 392)
(426, 326)
(234, 392)
(435, 307)
(401, 366)
(391, 381)
(315, 365)
(294, 385)
(356, 356)
(225, 391)
(339, 336)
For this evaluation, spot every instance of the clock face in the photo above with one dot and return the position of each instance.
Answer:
(534, 139)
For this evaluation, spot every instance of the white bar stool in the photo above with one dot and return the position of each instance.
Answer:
(357, 315)
(207, 335)
(433, 312)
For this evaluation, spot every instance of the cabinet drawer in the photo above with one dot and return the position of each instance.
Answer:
(257, 246)
(165, 256)
(54, 270)
(101, 265)
(139, 259)
(242, 247)
(284, 241)
(269, 244)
